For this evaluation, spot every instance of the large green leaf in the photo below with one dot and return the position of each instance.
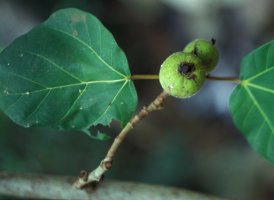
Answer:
(252, 101)
(67, 73)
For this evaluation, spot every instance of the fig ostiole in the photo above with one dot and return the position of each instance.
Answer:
(182, 75)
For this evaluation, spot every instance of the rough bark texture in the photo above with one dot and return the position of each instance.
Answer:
(31, 186)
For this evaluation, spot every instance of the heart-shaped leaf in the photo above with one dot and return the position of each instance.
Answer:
(252, 101)
(67, 73)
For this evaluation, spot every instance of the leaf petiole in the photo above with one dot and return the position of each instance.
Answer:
(229, 79)
(144, 77)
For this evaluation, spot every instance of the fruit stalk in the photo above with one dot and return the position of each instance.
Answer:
(229, 79)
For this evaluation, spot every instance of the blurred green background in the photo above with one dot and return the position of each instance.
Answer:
(192, 143)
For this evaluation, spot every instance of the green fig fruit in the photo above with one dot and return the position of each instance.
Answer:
(206, 51)
(182, 75)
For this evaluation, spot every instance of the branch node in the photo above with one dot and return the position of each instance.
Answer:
(83, 175)
(107, 164)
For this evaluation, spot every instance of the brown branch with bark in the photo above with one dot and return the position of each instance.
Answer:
(106, 164)
(31, 186)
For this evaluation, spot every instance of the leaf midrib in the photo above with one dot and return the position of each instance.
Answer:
(73, 104)
(64, 86)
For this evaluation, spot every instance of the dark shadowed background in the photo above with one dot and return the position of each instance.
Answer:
(192, 143)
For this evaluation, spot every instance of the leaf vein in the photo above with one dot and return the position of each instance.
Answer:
(72, 105)
(100, 40)
(247, 115)
(268, 149)
(109, 106)
(37, 107)
(259, 109)
(89, 47)
(27, 79)
(261, 88)
(54, 64)
(260, 74)
(12, 104)
(88, 34)
(257, 135)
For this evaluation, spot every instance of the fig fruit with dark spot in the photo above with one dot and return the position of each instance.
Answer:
(182, 74)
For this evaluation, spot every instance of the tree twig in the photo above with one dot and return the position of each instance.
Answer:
(106, 163)
(31, 186)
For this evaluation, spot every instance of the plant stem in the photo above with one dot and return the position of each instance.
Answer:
(106, 163)
(230, 79)
(144, 77)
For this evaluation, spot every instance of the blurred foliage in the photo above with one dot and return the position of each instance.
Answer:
(191, 143)
(45, 150)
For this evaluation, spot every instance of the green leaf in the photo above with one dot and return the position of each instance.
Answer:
(252, 101)
(67, 73)
(98, 136)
